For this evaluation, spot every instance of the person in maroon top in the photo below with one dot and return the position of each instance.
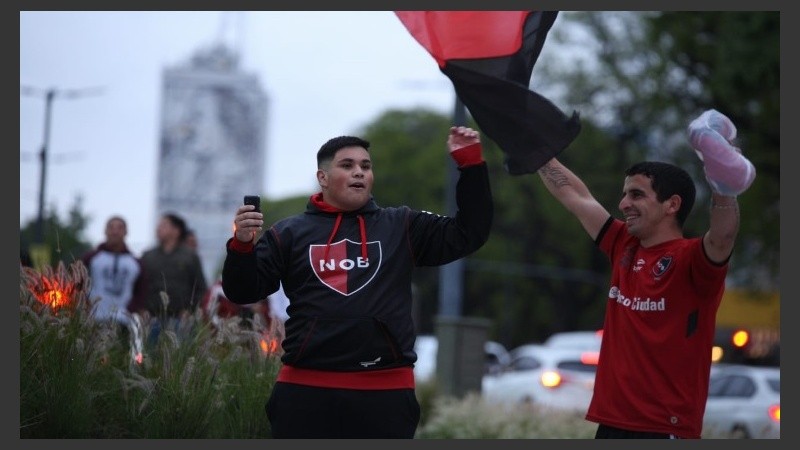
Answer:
(655, 356)
(346, 267)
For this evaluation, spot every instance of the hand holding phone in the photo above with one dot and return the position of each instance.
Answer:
(250, 232)
(254, 200)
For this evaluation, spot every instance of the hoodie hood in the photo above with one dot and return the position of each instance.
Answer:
(316, 205)
(105, 247)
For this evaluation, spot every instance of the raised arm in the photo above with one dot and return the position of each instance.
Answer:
(571, 191)
(474, 204)
(723, 227)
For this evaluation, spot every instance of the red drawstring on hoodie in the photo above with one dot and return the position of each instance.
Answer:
(333, 233)
(362, 226)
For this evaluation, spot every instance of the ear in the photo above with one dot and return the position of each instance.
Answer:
(322, 178)
(673, 204)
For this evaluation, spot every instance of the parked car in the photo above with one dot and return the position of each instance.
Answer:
(425, 367)
(559, 378)
(744, 402)
(426, 346)
(496, 357)
(584, 340)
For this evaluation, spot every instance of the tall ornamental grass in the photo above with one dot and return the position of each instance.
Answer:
(82, 379)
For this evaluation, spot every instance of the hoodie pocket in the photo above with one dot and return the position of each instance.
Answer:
(347, 344)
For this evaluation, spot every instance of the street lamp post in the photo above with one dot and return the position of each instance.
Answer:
(49, 95)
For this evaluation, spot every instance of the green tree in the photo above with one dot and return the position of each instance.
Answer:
(64, 239)
(275, 210)
(409, 154)
(637, 79)
(643, 76)
(538, 273)
(735, 58)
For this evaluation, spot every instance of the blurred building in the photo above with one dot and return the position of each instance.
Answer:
(212, 146)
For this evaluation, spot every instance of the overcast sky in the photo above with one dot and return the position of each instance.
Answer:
(325, 74)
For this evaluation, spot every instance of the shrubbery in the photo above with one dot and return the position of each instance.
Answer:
(80, 379)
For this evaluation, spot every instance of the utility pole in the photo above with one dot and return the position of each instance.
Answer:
(49, 95)
(461, 340)
(451, 275)
(48, 105)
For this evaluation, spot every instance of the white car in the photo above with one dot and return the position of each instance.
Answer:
(425, 367)
(744, 402)
(559, 378)
(584, 340)
(426, 346)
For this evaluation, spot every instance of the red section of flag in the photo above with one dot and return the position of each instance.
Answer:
(489, 57)
(462, 34)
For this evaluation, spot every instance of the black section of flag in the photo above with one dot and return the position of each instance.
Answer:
(527, 127)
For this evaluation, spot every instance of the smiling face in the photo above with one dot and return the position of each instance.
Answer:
(647, 218)
(346, 181)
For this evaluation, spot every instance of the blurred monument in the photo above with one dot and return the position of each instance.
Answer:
(212, 146)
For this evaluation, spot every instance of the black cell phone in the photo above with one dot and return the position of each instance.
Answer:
(254, 200)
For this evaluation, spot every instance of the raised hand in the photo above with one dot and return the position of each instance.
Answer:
(461, 137)
(727, 170)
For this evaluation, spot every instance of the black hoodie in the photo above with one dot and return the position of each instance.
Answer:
(348, 274)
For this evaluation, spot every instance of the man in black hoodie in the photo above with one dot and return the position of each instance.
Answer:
(346, 266)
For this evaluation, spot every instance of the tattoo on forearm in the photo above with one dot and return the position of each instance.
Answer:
(554, 176)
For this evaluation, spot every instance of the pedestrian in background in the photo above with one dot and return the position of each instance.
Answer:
(174, 273)
(117, 277)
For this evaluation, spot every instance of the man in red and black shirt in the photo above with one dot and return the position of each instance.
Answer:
(655, 356)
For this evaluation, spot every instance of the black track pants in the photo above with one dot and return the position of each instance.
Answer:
(607, 432)
(297, 411)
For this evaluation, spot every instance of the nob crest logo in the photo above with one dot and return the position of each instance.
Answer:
(662, 265)
(345, 270)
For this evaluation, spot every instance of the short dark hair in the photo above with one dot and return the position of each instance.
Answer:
(329, 149)
(668, 180)
(179, 223)
(119, 218)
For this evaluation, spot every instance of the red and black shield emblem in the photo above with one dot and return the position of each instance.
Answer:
(344, 269)
(662, 265)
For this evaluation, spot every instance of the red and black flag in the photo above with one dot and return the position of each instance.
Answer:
(489, 57)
